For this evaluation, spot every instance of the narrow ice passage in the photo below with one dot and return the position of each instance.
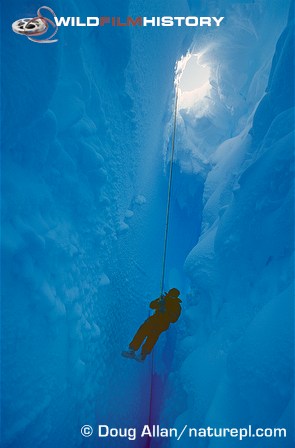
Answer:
(85, 185)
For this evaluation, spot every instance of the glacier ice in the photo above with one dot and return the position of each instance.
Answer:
(84, 184)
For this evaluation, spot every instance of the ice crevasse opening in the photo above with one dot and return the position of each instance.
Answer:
(84, 180)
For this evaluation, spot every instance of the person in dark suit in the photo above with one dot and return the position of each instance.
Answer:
(167, 310)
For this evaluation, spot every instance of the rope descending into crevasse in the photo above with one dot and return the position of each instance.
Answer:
(169, 194)
(148, 445)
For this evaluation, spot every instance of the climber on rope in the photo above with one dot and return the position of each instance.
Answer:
(167, 306)
(167, 310)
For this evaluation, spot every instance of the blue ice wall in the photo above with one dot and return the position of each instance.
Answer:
(235, 358)
(82, 220)
(84, 123)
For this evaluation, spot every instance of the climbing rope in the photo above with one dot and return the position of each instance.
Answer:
(165, 245)
(169, 195)
(37, 26)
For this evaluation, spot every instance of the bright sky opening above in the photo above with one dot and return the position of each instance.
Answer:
(194, 75)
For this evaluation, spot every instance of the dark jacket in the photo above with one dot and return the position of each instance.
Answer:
(168, 308)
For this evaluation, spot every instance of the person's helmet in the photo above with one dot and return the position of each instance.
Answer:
(173, 292)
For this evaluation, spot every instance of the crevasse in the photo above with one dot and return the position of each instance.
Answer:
(84, 124)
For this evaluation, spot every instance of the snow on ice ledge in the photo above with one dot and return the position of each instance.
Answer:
(237, 359)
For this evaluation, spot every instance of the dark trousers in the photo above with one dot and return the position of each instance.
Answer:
(149, 330)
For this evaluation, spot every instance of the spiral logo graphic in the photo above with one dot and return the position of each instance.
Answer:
(36, 26)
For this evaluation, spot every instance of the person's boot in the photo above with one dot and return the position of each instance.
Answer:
(130, 353)
(141, 357)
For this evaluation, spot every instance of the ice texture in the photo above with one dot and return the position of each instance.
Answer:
(235, 360)
(84, 187)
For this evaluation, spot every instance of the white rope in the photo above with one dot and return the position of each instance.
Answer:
(169, 195)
